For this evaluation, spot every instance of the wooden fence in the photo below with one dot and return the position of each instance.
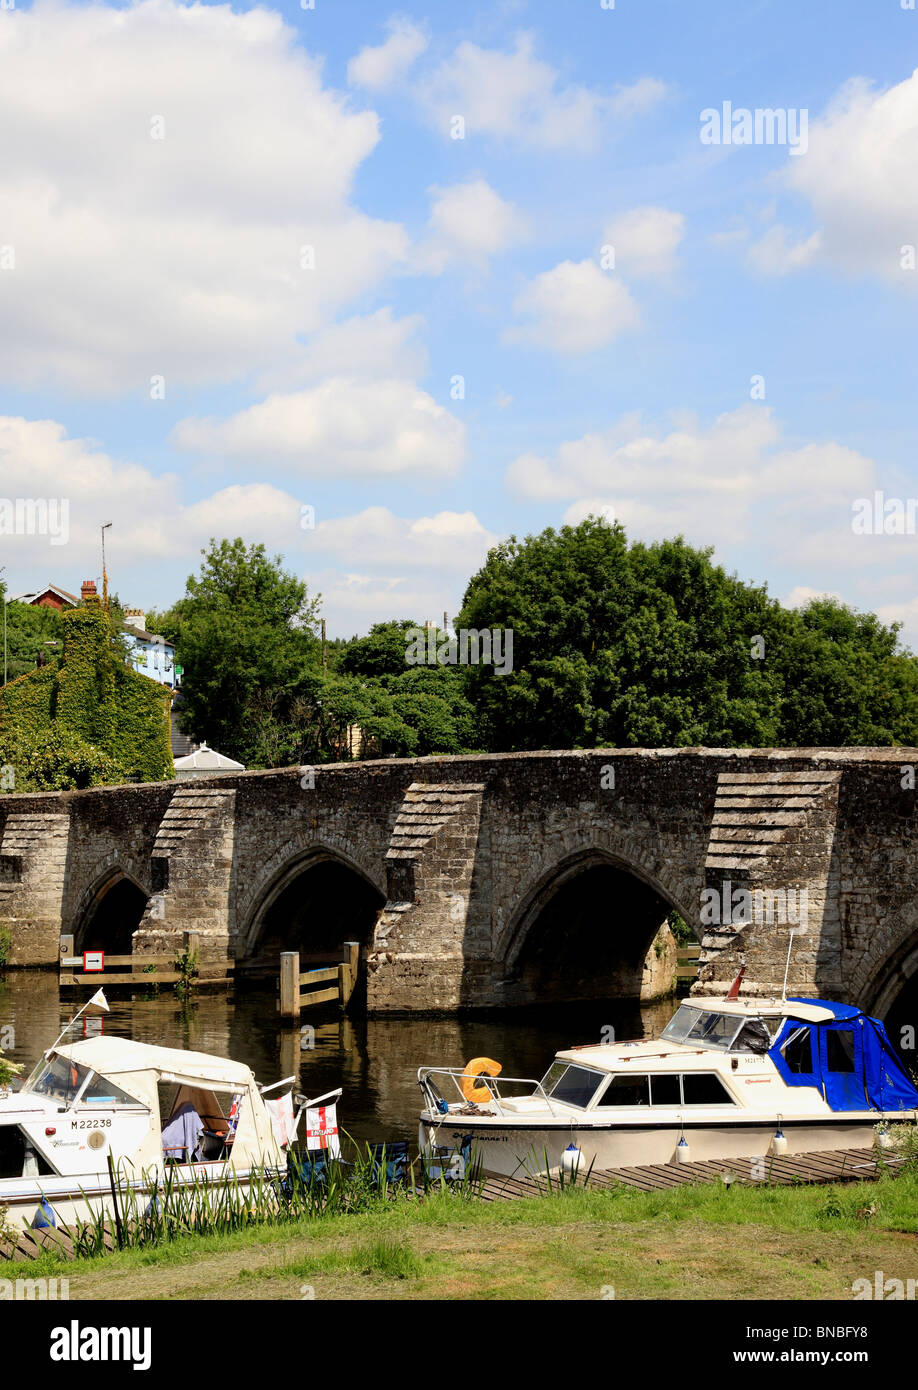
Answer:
(144, 970)
(687, 961)
(339, 981)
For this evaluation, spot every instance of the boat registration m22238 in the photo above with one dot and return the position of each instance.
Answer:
(90, 1124)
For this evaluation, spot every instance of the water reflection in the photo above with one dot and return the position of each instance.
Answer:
(375, 1060)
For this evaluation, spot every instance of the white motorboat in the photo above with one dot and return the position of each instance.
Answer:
(151, 1110)
(727, 1078)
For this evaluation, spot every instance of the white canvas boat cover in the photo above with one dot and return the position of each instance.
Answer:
(120, 1056)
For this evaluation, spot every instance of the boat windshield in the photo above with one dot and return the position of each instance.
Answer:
(702, 1027)
(57, 1078)
(570, 1084)
(61, 1079)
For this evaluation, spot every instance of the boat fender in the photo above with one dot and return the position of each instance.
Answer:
(479, 1066)
(683, 1152)
(570, 1159)
(779, 1143)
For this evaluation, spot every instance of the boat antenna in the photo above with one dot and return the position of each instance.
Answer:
(734, 988)
(790, 942)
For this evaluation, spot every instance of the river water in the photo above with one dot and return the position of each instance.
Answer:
(375, 1060)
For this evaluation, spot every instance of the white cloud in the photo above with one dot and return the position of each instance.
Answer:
(699, 480)
(468, 222)
(802, 594)
(576, 307)
(858, 176)
(381, 67)
(774, 254)
(151, 521)
(343, 427)
(417, 565)
(520, 98)
(179, 256)
(376, 537)
(365, 345)
(390, 566)
(645, 240)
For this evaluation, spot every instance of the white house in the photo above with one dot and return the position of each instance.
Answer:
(149, 654)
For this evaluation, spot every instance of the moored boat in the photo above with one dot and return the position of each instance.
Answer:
(164, 1117)
(727, 1078)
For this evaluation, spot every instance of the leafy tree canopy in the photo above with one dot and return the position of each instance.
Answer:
(655, 646)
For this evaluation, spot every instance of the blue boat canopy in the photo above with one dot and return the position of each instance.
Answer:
(848, 1058)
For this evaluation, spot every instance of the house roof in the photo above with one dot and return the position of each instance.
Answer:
(48, 589)
(209, 758)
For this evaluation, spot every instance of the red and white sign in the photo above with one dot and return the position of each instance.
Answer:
(93, 961)
(322, 1129)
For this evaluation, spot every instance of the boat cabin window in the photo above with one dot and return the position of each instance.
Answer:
(665, 1090)
(798, 1053)
(694, 1088)
(754, 1036)
(627, 1090)
(571, 1084)
(840, 1050)
(18, 1157)
(101, 1091)
(704, 1088)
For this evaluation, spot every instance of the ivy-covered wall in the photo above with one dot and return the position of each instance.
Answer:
(90, 694)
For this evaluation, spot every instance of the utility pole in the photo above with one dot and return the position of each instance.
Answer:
(324, 657)
(104, 575)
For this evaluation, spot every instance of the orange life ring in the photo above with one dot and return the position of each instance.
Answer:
(479, 1066)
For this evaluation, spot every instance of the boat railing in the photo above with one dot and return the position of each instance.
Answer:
(456, 1075)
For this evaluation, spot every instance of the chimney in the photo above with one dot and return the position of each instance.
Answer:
(135, 617)
(88, 591)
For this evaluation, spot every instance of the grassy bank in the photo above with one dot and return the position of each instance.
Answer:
(701, 1242)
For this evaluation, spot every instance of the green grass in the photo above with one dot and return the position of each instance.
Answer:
(704, 1241)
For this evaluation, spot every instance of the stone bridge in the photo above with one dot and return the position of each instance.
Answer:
(474, 882)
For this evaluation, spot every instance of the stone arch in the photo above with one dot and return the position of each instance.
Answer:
(555, 948)
(884, 973)
(281, 872)
(108, 884)
(567, 868)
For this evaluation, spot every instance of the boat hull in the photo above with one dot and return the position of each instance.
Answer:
(516, 1150)
(79, 1199)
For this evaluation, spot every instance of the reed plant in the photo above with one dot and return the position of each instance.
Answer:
(165, 1205)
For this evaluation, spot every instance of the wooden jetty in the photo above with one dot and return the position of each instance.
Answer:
(825, 1166)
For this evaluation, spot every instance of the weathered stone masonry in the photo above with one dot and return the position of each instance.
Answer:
(468, 850)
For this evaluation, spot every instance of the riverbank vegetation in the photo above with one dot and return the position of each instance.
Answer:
(705, 1241)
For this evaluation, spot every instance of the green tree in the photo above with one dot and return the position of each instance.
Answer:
(655, 646)
(30, 632)
(244, 635)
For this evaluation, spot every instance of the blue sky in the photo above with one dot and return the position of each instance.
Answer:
(173, 361)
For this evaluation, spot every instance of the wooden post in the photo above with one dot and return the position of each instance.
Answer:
(347, 971)
(290, 985)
